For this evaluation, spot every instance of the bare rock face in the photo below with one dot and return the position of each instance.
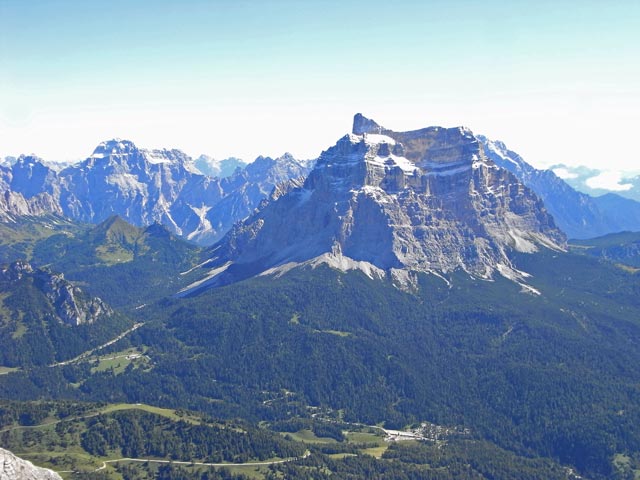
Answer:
(70, 303)
(14, 204)
(15, 468)
(393, 203)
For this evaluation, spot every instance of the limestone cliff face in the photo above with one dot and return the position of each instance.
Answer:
(15, 468)
(394, 203)
(14, 204)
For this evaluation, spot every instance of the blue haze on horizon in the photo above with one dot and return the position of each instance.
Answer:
(558, 81)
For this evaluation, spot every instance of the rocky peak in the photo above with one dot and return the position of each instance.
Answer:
(392, 203)
(8, 161)
(30, 176)
(71, 304)
(362, 124)
(15, 468)
(124, 153)
(114, 146)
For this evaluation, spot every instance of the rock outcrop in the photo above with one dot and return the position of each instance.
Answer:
(15, 468)
(70, 304)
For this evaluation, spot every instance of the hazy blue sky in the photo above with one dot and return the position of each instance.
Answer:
(557, 81)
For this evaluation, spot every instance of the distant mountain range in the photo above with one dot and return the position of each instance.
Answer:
(144, 186)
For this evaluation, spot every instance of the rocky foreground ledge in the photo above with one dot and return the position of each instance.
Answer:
(15, 468)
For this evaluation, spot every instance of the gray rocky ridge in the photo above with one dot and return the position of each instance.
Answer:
(15, 468)
(393, 203)
(14, 204)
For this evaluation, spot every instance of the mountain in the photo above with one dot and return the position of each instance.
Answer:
(143, 187)
(523, 354)
(30, 177)
(15, 468)
(579, 215)
(45, 318)
(218, 168)
(393, 203)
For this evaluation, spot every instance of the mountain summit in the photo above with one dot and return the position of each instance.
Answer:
(392, 203)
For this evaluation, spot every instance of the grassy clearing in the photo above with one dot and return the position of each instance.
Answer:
(119, 361)
(63, 461)
(257, 473)
(113, 254)
(5, 370)
(175, 415)
(307, 436)
(252, 472)
(376, 452)
(21, 329)
(370, 439)
(364, 437)
(340, 456)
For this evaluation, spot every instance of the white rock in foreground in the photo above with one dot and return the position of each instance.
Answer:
(15, 468)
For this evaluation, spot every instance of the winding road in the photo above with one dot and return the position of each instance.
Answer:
(88, 353)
